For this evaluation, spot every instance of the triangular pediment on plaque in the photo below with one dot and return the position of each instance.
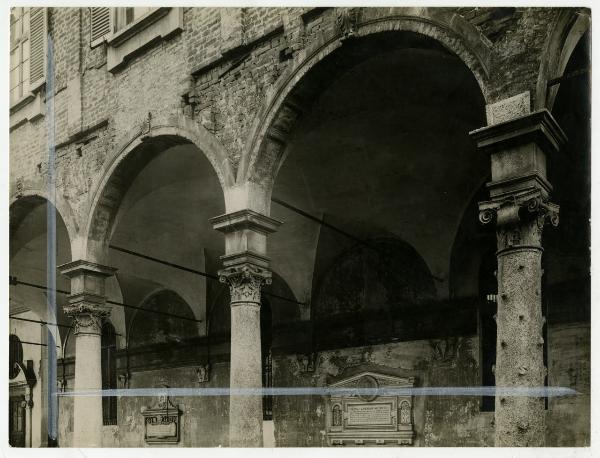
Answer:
(366, 378)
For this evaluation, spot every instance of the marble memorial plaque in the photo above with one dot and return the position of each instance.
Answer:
(368, 417)
(161, 423)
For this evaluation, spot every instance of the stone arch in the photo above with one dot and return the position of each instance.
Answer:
(129, 324)
(132, 154)
(22, 202)
(158, 327)
(388, 255)
(570, 26)
(365, 290)
(282, 108)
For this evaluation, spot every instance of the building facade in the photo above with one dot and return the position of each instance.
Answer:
(310, 199)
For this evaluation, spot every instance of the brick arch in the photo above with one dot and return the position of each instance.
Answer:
(276, 118)
(22, 202)
(569, 27)
(133, 153)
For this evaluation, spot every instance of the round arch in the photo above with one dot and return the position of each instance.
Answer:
(23, 202)
(133, 153)
(158, 328)
(28, 258)
(275, 120)
(570, 26)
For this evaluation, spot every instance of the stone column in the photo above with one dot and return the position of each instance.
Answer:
(519, 204)
(245, 271)
(87, 306)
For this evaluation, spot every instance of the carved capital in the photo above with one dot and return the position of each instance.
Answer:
(518, 209)
(245, 282)
(87, 317)
(519, 218)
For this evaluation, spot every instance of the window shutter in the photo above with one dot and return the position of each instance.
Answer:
(100, 23)
(38, 21)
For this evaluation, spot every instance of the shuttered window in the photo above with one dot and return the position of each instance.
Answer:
(100, 24)
(37, 38)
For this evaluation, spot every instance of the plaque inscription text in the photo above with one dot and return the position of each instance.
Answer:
(369, 414)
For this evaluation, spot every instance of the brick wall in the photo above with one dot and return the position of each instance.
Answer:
(230, 88)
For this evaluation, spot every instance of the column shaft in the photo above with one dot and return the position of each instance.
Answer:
(520, 420)
(245, 412)
(88, 376)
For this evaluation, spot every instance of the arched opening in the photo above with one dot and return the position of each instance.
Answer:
(151, 223)
(378, 170)
(33, 247)
(149, 329)
(363, 292)
(29, 252)
(567, 261)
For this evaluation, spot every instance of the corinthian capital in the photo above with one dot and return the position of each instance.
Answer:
(87, 317)
(245, 282)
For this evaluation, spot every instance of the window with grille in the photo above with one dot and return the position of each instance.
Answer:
(109, 373)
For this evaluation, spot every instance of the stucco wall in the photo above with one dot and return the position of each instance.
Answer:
(300, 420)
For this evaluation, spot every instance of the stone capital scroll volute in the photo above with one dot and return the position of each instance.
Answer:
(245, 282)
(519, 220)
(515, 210)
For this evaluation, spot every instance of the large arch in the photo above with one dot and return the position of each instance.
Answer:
(288, 99)
(22, 202)
(570, 26)
(133, 153)
(28, 255)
